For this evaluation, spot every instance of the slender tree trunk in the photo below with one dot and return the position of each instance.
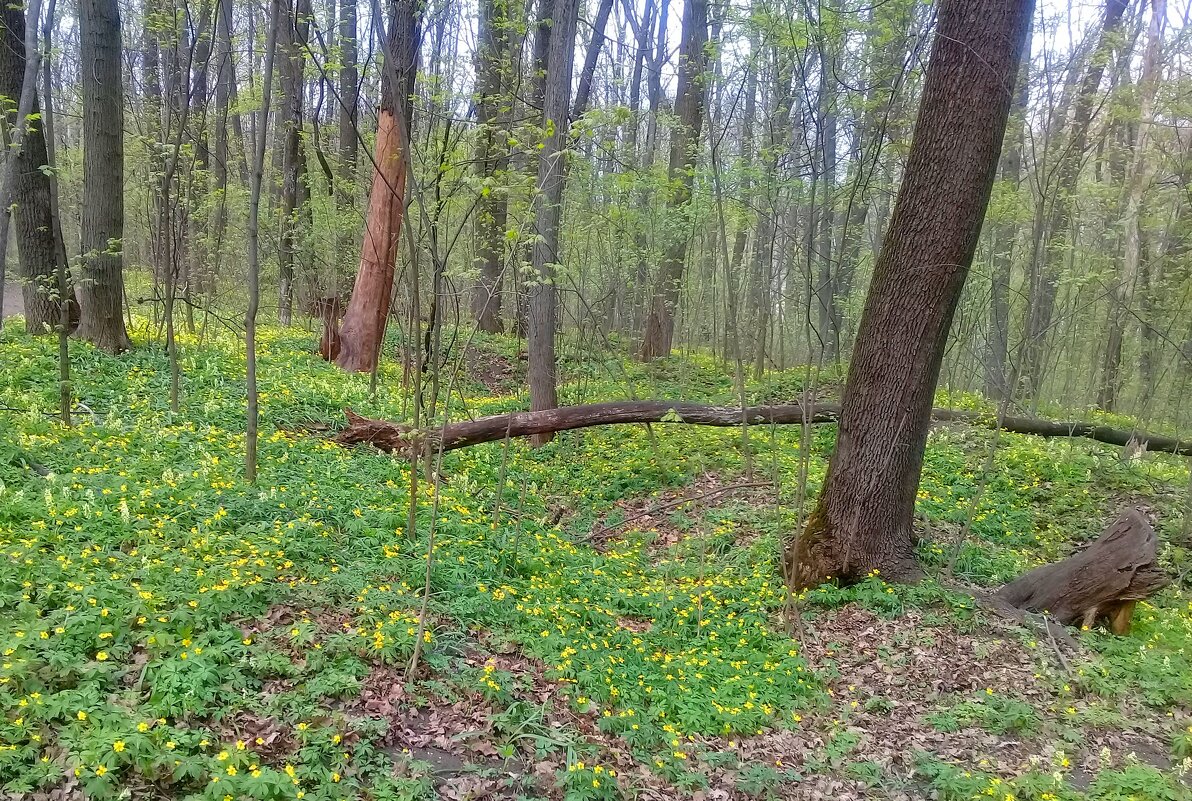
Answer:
(254, 255)
(644, 161)
(644, 30)
(1005, 234)
(689, 109)
(292, 35)
(67, 307)
(101, 290)
(26, 91)
(492, 160)
(1141, 173)
(864, 516)
(1050, 252)
(583, 92)
(199, 259)
(888, 42)
(349, 116)
(548, 211)
(827, 287)
(777, 137)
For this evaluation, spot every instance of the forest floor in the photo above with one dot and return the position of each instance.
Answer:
(606, 615)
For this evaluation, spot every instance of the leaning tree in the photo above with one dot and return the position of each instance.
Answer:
(863, 519)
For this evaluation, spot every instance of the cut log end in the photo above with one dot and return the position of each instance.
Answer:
(1099, 584)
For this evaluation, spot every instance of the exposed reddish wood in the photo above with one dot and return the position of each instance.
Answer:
(364, 321)
(1101, 583)
(389, 436)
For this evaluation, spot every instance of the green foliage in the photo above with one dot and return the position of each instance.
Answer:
(990, 711)
(151, 601)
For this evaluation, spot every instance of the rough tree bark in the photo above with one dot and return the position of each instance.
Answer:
(863, 518)
(548, 211)
(37, 249)
(101, 289)
(689, 109)
(364, 321)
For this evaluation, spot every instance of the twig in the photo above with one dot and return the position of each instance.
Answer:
(1055, 646)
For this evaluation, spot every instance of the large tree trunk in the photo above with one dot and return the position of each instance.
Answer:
(364, 321)
(492, 161)
(101, 290)
(689, 109)
(548, 210)
(863, 518)
(32, 216)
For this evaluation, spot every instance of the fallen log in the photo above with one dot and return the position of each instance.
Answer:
(392, 437)
(1101, 583)
(1055, 428)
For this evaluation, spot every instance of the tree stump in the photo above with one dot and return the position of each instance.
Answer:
(1101, 583)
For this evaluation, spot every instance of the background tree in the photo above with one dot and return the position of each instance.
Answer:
(548, 205)
(689, 111)
(493, 67)
(32, 216)
(101, 284)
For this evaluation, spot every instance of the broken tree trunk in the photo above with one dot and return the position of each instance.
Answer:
(391, 437)
(1103, 582)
